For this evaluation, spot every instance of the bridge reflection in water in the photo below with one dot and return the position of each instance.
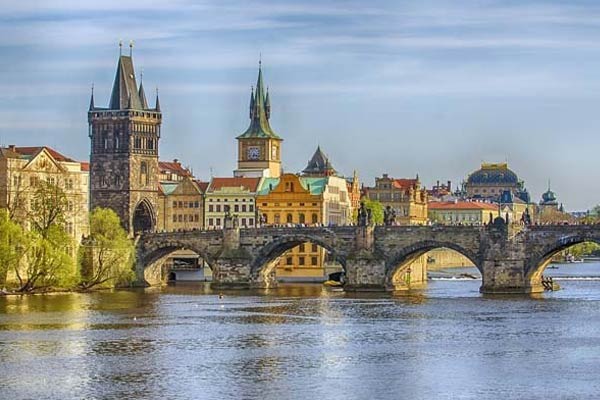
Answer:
(510, 258)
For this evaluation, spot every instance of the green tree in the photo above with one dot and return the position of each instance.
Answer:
(48, 262)
(12, 244)
(107, 256)
(376, 210)
(46, 247)
(583, 249)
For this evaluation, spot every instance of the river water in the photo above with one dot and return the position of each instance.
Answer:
(301, 342)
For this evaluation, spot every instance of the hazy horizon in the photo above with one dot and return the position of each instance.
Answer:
(426, 87)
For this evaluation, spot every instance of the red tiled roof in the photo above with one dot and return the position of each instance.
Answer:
(85, 166)
(461, 205)
(173, 167)
(202, 185)
(33, 150)
(249, 183)
(405, 183)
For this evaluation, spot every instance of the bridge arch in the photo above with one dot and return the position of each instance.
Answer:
(149, 263)
(541, 259)
(264, 264)
(398, 262)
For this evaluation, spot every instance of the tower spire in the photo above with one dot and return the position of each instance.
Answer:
(142, 93)
(92, 99)
(251, 102)
(131, 48)
(157, 106)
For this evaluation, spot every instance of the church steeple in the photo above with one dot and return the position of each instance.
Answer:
(259, 147)
(260, 110)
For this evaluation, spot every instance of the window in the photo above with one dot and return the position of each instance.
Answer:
(314, 261)
(196, 217)
(33, 181)
(218, 208)
(277, 219)
(180, 218)
(69, 184)
(210, 208)
(315, 248)
(144, 176)
(251, 222)
(244, 208)
(191, 204)
(301, 248)
(174, 218)
(50, 180)
(210, 222)
(196, 204)
(180, 204)
(243, 221)
(301, 260)
(315, 218)
(289, 218)
(236, 208)
(301, 218)
(250, 208)
(218, 221)
(174, 204)
(289, 261)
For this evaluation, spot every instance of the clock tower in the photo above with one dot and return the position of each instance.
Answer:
(259, 147)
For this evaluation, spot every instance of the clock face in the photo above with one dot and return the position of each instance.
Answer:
(253, 153)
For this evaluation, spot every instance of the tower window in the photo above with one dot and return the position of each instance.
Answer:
(144, 178)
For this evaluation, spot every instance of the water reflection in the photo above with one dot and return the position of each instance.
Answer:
(299, 341)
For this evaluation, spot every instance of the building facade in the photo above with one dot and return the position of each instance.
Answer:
(21, 168)
(124, 171)
(238, 194)
(308, 201)
(259, 147)
(462, 212)
(405, 196)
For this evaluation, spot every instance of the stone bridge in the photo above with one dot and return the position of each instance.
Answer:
(511, 258)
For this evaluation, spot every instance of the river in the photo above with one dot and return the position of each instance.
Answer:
(301, 342)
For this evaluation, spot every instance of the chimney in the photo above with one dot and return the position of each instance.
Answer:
(176, 161)
(11, 147)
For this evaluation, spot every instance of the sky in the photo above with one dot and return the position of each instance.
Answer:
(432, 88)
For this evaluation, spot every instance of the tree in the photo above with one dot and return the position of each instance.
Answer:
(376, 210)
(12, 244)
(47, 262)
(107, 256)
(46, 247)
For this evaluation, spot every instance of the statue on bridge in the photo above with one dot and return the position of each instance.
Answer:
(526, 217)
(389, 216)
(364, 215)
(229, 221)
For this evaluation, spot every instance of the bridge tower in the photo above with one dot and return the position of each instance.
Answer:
(124, 151)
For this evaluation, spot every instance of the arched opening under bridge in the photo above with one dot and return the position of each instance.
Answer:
(144, 219)
(175, 263)
(412, 267)
(569, 259)
(297, 259)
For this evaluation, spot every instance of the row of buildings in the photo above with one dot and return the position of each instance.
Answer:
(125, 174)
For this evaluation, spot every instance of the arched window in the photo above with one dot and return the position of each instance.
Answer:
(277, 219)
(265, 220)
(117, 142)
(105, 141)
(315, 219)
(289, 218)
(301, 218)
(143, 173)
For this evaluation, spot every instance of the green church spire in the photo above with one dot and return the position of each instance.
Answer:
(260, 110)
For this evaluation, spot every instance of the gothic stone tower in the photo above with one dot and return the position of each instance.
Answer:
(124, 152)
(259, 148)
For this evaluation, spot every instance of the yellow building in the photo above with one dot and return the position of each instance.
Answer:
(180, 198)
(310, 201)
(405, 196)
(259, 147)
(22, 167)
(462, 212)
